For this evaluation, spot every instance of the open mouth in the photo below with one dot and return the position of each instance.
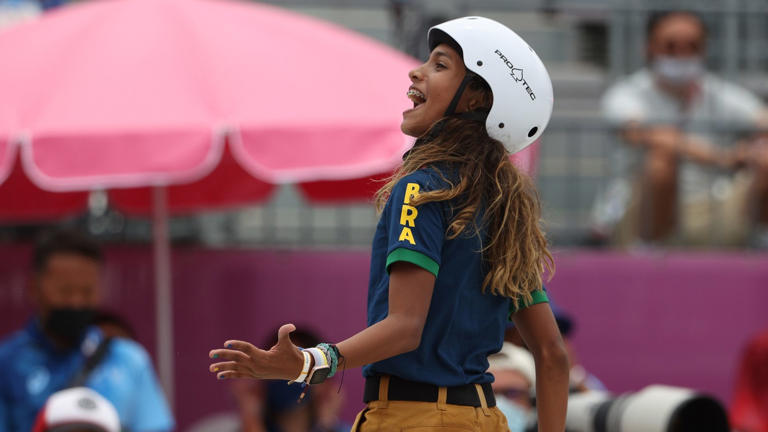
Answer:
(416, 97)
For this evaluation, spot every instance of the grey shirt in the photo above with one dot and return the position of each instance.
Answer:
(718, 114)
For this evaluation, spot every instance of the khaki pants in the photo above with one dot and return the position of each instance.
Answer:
(385, 415)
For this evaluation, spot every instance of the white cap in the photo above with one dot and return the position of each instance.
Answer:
(80, 408)
(512, 357)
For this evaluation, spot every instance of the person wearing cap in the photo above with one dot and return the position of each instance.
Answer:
(458, 251)
(51, 352)
(77, 409)
(514, 370)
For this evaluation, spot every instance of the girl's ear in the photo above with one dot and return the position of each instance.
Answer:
(477, 100)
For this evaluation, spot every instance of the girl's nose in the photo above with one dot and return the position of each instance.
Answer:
(415, 74)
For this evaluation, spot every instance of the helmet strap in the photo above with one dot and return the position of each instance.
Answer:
(455, 101)
(479, 115)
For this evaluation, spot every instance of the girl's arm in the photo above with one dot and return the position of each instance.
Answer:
(410, 293)
(538, 328)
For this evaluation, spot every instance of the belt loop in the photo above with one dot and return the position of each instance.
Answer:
(442, 396)
(384, 391)
(483, 403)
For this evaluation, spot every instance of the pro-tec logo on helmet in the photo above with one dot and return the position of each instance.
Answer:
(517, 74)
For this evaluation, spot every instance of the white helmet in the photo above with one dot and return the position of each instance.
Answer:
(522, 90)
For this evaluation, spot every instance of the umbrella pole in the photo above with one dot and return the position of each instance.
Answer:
(163, 290)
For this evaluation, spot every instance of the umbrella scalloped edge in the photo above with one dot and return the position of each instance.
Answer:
(219, 139)
(132, 180)
(315, 173)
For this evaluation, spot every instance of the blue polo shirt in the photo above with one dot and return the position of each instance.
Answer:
(33, 369)
(464, 326)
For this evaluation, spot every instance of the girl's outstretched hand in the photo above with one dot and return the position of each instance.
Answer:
(242, 360)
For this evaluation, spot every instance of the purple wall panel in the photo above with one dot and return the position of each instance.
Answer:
(678, 319)
(247, 295)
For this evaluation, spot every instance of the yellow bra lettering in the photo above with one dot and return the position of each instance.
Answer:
(408, 216)
(406, 234)
(411, 191)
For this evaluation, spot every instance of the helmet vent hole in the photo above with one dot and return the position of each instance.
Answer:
(533, 131)
(501, 125)
(479, 63)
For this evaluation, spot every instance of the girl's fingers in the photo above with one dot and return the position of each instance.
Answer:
(240, 359)
(283, 334)
(232, 374)
(223, 366)
(242, 346)
(228, 354)
(241, 369)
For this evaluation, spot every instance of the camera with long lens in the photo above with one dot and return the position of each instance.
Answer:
(656, 408)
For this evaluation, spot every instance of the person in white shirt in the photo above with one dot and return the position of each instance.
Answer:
(691, 167)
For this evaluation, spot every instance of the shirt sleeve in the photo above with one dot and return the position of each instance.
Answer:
(416, 233)
(744, 108)
(539, 296)
(151, 412)
(621, 105)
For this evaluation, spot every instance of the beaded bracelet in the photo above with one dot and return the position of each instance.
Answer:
(332, 355)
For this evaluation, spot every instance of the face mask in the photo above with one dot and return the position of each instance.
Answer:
(67, 325)
(517, 419)
(678, 71)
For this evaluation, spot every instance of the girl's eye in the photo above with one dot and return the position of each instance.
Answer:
(439, 66)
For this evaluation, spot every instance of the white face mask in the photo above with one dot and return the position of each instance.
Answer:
(678, 71)
(517, 418)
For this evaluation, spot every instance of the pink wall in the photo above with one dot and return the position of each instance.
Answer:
(677, 318)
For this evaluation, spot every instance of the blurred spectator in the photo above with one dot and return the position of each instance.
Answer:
(114, 325)
(13, 12)
(78, 409)
(581, 379)
(52, 4)
(514, 383)
(749, 410)
(273, 406)
(680, 172)
(60, 348)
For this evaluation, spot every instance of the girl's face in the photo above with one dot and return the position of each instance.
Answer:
(434, 84)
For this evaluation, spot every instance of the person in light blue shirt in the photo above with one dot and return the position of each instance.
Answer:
(51, 350)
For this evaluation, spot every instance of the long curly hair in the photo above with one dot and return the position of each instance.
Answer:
(483, 180)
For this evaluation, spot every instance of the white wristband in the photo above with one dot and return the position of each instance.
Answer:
(319, 356)
(304, 369)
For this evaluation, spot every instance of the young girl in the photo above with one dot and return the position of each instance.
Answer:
(457, 252)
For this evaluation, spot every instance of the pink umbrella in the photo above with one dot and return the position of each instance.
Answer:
(148, 93)
(95, 90)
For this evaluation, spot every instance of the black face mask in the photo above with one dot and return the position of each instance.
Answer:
(67, 325)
